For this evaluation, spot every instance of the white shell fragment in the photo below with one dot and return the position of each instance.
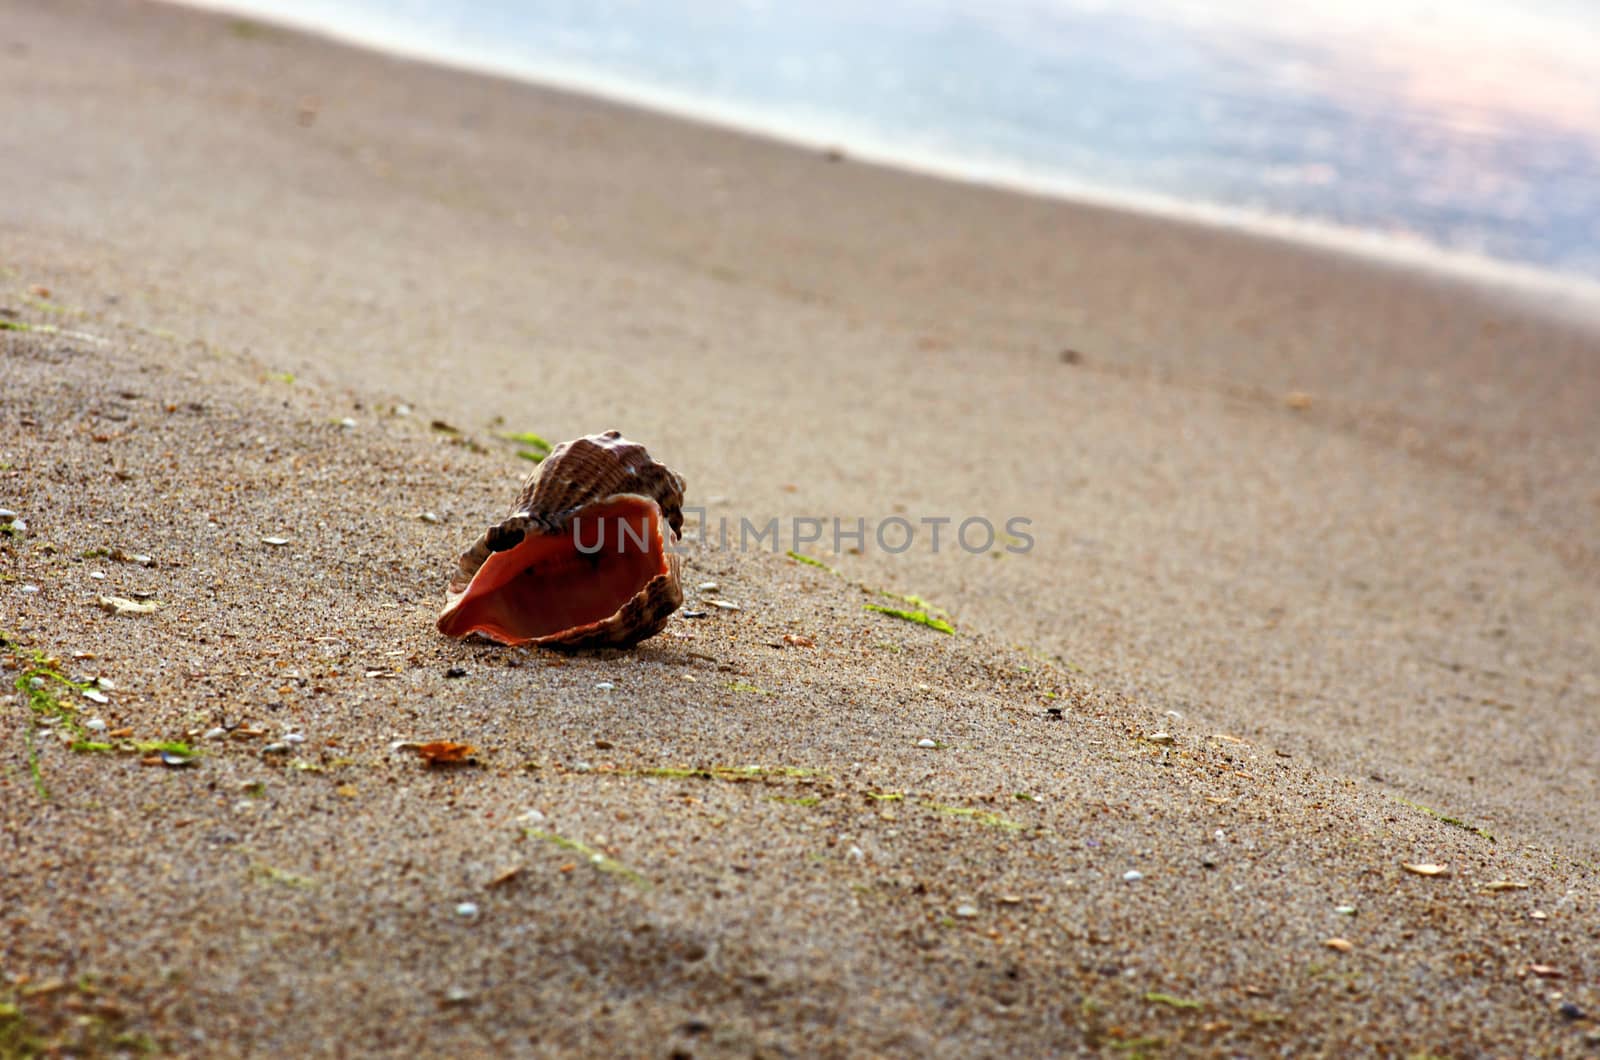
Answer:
(121, 605)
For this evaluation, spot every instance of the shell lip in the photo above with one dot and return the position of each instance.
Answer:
(571, 592)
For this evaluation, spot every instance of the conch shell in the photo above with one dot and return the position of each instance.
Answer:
(585, 561)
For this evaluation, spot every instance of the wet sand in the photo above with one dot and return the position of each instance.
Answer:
(1327, 524)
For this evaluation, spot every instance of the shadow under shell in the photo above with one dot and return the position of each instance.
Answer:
(563, 583)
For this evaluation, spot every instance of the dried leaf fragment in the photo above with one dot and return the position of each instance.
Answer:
(505, 876)
(1546, 971)
(795, 640)
(445, 753)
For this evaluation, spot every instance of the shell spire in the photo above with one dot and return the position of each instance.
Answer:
(586, 559)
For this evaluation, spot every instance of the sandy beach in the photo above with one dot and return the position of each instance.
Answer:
(1281, 737)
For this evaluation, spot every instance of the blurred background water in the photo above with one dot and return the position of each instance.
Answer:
(1467, 125)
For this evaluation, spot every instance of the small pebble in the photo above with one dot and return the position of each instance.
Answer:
(6, 515)
(1345, 910)
(1570, 1010)
(1342, 945)
(35, 682)
(428, 517)
(275, 749)
(98, 575)
(966, 911)
(347, 423)
(177, 761)
(294, 737)
(19, 526)
(106, 683)
(856, 852)
(707, 587)
(1165, 739)
(276, 542)
(531, 817)
(726, 605)
(604, 686)
(30, 588)
(926, 743)
(455, 672)
(695, 614)
(94, 695)
(1133, 876)
(214, 734)
(467, 910)
(95, 725)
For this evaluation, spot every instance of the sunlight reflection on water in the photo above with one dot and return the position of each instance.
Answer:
(1473, 126)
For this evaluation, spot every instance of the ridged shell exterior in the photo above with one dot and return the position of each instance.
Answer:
(575, 475)
(590, 469)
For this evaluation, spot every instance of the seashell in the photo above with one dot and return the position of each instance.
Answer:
(585, 561)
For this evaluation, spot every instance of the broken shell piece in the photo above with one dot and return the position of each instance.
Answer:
(586, 560)
(118, 605)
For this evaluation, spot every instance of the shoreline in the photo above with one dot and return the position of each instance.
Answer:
(1569, 294)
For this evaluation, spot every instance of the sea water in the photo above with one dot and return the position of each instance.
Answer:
(1467, 126)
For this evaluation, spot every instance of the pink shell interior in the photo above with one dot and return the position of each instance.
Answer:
(546, 585)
